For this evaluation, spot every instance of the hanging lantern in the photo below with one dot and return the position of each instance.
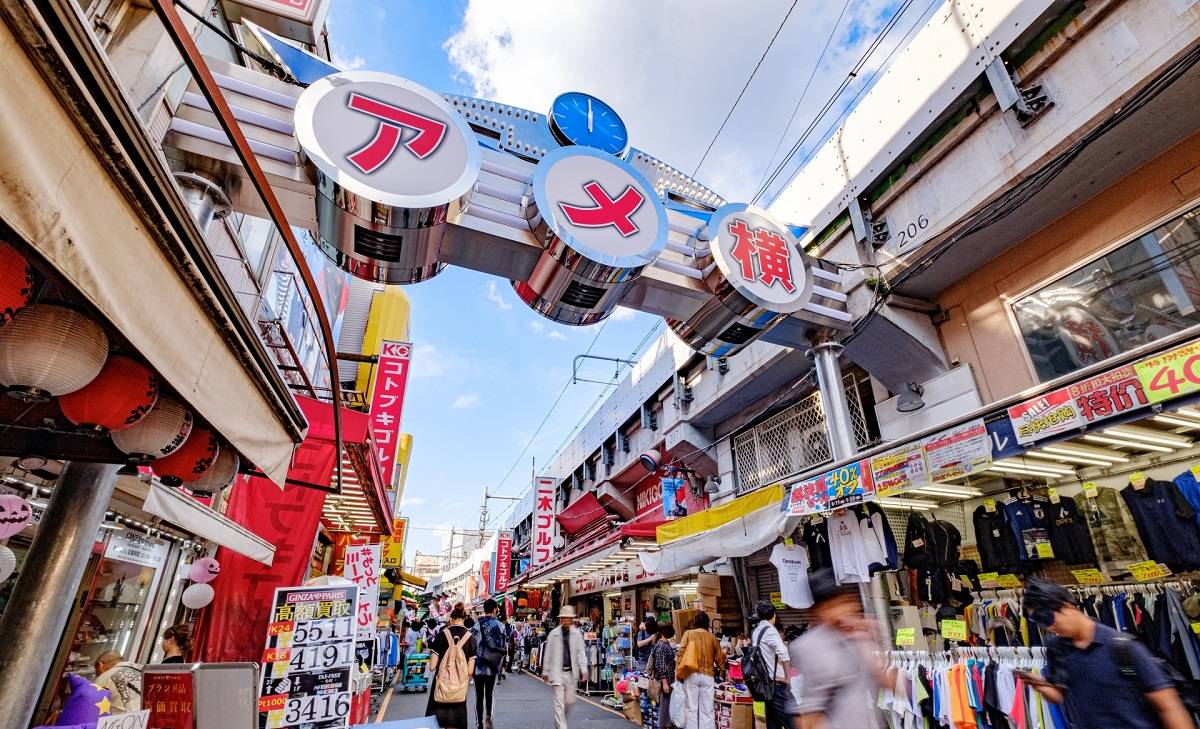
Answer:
(8, 563)
(121, 395)
(197, 596)
(164, 429)
(191, 461)
(220, 476)
(204, 570)
(16, 283)
(15, 515)
(50, 350)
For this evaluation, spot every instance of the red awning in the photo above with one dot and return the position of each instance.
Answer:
(583, 512)
(644, 525)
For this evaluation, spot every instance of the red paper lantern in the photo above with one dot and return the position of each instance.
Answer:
(16, 283)
(193, 459)
(121, 395)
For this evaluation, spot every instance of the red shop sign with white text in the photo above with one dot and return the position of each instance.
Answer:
(169, 698)
(387, 403)
(503, 560)
(543, 520)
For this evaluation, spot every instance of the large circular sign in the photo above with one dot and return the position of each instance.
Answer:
(387, 139)
(760, 258)
(600, 207)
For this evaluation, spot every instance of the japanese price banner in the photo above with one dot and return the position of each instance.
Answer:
(387, 404)
(807, 497)
(169, 698)
(308, 658)
(1113, 393)
(543, 520)
(1171, 374)
(393, 546)
(362, 568)
(849, 485)
(1048, 415)
(503, 561)
(958, 452)
(900, 470)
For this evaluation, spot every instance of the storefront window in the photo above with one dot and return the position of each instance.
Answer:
(1143, 291)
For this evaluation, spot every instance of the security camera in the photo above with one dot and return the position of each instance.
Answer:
(650, 460)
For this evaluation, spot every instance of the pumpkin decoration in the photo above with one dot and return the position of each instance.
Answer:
(191, 461)
(15, 514)
(162, 432)
(121, 395)
(50, 350)
(16, 283)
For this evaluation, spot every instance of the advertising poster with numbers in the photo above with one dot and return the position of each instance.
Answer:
(899, 470)
(308, 659)
(958, 452)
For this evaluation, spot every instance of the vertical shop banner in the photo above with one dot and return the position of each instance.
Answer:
(544, 505)
(169, 697)
(393, 546)
(233, 624)
(900, 470)
(308, 658)
(672, 504)
(387, 404)
(362, 568)
(503, 561)
(1002, 436)
(958, 452)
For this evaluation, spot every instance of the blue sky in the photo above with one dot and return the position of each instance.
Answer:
(486, 368)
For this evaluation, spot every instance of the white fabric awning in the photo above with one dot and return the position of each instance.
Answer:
(64, 202)
(183, 511)
(738, 538)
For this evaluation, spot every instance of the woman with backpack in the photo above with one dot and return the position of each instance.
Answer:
(453, 665)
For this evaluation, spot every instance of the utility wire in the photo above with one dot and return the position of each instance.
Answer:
(743, 91)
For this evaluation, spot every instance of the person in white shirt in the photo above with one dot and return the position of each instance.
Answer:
(782, 710)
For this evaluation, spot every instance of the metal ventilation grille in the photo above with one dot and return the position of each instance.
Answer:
(582, 296)
(376, 245)
(738, 334)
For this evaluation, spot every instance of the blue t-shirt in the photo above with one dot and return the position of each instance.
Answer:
(1097, 694)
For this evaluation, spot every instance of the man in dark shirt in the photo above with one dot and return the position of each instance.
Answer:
(1086, 666)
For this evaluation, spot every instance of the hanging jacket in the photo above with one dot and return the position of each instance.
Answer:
(816, 541)
(1026, 518)
(916, 542)
(997, 545)
(944, 541)
(1114, 533)
(889, 539)
(1069, 534)
(1166, 523)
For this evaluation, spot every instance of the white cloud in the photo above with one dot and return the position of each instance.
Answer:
(660, 71)
(344, 61)
(557, 334)
(537, 326)
(493, 295)
(411, 501)
(466, 401)
(622, 314)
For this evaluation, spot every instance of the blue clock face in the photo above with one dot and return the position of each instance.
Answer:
(584, 120)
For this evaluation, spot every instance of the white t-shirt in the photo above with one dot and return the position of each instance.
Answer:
(846, 549)
(793, 575)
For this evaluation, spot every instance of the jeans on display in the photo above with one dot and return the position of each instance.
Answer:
(782, 707)
(701, 693)
(484, 686)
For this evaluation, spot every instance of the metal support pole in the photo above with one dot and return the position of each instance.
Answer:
(205, 198)
(48, 583)
(833, 399)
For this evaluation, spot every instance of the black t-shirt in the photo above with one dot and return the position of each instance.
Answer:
(441, 644)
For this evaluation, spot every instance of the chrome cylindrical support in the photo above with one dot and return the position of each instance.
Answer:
(833, 399)
(204, 197)
(42, 600)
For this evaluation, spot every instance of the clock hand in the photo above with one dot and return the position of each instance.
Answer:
(589, 116)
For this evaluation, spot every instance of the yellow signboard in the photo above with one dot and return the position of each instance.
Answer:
(1149, 570)
(1009, 580)
(1091, 576)
(393, 546)
(954, 629)
(906, 636)
(1170, 374)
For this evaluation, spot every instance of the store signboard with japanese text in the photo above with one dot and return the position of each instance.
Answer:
(169, 697)
(1098, 398)
(849, 485)
(130, 546)
(362, 568)
(808, 497)
(958, 452)
(1172, 374)
(308, 658)
(387, 404)
(503, 560)
(623, 574)
(393, 546)
(899, 470)
(544, 503)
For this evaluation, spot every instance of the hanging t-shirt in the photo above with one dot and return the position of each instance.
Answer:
(1030, 523)
(846, 548)
(996, 541)
(792, 564)
(1069, 534)
(816, 541)
(1166, 523)
(874, 548)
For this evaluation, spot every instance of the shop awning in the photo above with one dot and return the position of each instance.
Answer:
(412, 580)
(145, 268)
(585, 510)
(644, 526)
(736, 529)
(187, 513)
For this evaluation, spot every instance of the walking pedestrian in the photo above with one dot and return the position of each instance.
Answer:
(452, 647)
(1101, 677)
(838, 676)
(646, 636)
(176, 641)
(565, 664)
(663, 660)
(781, 706)
(493, 646)
(700, 661)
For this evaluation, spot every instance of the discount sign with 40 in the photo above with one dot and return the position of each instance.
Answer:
(1171, 374)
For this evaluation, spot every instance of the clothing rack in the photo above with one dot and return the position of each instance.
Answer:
(1183, 583)
(975, 652)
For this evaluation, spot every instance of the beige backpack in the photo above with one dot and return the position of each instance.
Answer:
(453, 678)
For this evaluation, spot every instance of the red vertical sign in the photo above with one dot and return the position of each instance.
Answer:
(543, 520)
(387, 404)
(169, 697)
(503, 561)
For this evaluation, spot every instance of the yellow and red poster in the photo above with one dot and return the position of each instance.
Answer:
(393, 546)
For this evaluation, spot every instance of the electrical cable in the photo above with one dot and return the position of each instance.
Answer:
(743, 91)
(283, 72)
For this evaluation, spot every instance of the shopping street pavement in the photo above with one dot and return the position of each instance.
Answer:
(521, 702)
